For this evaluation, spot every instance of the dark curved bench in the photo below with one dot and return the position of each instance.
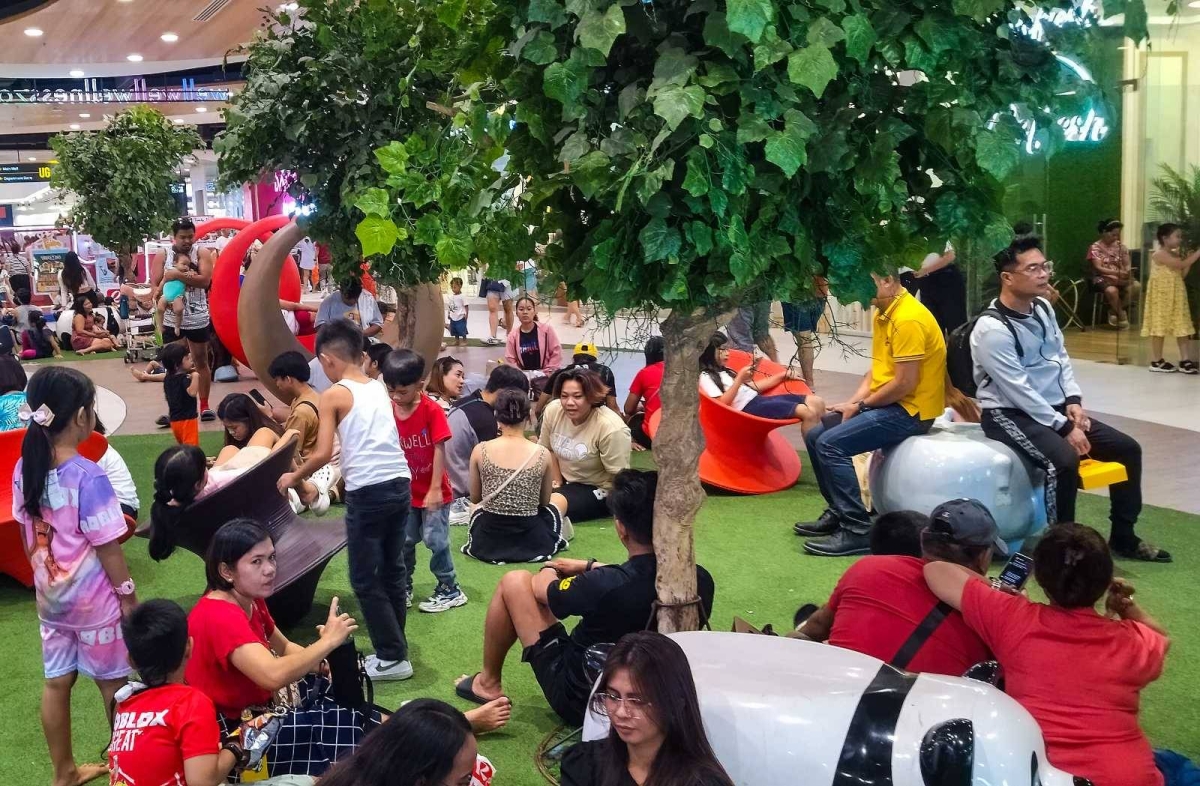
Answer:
(303, 547)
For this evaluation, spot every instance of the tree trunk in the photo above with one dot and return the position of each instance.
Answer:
(678, 444)
(419, 321)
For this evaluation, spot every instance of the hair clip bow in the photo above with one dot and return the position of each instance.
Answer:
(43, 415)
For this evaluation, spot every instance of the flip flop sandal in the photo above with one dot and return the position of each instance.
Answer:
(463, 690)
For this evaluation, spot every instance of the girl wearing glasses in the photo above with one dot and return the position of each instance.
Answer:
(656, 736)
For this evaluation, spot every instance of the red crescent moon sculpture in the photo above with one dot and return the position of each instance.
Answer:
(218, 224)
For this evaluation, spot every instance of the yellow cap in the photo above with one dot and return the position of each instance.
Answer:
(586, 348)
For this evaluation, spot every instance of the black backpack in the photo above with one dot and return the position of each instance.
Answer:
(959, 364)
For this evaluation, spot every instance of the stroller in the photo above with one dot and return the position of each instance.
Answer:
(137, 333)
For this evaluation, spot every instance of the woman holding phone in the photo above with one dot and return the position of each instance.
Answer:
(740, 391)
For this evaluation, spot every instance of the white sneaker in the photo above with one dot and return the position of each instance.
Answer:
(568, 529)
(387, 671)
(443, 599)
(321, 504)
(460, 512)
(492, 341)
(294, 501)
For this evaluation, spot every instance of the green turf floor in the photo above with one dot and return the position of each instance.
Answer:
(746, 542)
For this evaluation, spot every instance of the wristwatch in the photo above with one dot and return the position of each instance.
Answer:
(126, 589)
(591, 563)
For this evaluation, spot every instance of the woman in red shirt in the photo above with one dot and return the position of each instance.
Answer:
(644, 388)
(1079, 673)
(240, 659)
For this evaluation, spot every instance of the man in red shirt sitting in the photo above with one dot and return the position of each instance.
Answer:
(882, 606)
(165, 731)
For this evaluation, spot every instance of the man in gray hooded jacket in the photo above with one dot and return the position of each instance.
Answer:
(1032, 403)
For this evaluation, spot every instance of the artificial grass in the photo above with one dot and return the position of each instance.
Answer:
(760, 570)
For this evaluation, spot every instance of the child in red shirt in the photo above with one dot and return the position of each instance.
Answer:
(424, 430)
(165, 731)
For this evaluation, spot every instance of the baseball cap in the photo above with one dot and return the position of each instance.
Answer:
(586, 348)
(967, 522)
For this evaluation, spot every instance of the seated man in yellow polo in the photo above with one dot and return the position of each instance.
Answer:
(898, 398)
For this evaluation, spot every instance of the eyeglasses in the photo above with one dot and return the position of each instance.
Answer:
(1036, 268)
(606, 704)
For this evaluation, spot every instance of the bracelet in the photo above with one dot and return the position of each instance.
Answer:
(591, 563)
(240, 757)
(126, 588)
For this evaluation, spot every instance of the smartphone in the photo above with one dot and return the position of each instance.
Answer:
(1016, 572)
(254, 394)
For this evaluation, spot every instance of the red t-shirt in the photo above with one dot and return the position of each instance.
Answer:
(1080, 676)
(646, 384)
(155, 730)
(424, 429)
(217, 628)
(880, 601)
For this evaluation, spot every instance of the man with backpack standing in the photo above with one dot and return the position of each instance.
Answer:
(1032, 403)
(898, 398)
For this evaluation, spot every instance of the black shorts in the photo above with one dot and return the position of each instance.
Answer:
(585, 502)
(554, 668)
(200, 335)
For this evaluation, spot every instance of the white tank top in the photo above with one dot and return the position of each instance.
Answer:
(370, 443)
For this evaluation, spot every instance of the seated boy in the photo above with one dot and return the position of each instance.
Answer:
(611, 600)
(165, 731)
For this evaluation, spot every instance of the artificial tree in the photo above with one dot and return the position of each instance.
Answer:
(701, 154)
(330, 87)
(121, 177)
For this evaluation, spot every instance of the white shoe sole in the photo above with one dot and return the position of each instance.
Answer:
(396, 676)
(1154, 370)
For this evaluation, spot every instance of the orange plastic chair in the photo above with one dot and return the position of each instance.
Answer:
(743, 453)
(13, 559)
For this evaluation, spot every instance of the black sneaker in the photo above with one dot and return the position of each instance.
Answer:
(827, 524)
(163, 422)
(842, 543)
(1163, 367)
(208, 416)
(1188, 367)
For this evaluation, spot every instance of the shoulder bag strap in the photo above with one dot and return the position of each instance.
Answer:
(909, 649)
(487, 500)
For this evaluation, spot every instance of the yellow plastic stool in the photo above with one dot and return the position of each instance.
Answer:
(1095, 474)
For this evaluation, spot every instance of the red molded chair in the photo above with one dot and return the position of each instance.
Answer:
(13, 559)
(744, 453)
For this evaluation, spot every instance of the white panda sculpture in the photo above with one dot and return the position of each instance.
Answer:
(783, 712)
(956, 460)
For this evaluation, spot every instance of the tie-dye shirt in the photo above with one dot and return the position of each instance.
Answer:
(79, 512)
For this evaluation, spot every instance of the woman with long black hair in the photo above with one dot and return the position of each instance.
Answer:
(74, 280)
(243, 419)
(656, 737)
(742, 392)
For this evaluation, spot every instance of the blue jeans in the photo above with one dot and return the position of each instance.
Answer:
(831, 450)
(433, 528)
(375, 542)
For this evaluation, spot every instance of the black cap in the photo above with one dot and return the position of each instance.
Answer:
(967, 522)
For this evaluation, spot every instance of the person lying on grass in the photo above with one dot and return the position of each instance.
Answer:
(611, 600)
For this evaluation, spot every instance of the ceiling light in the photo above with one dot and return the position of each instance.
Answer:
(134, 58)
(177, 121)
(74, 126)
(75, 72)
(85, 114)
(33, 158)
(33, 32)
(1194, 4)
(201, 109)
(170, 38)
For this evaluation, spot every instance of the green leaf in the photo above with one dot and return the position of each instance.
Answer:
(701, 237)
(541, 49)
(674, 67)
(676, 103)
(659, 241)
(574, 148)
(997, 153)
(752, 128)
(650, 183)
(454, 251)
(718, 34)
(719, 201)
(376, 235)
(705, 141)
(374, 202)
(598, 31)
(979, 10)
(770, 50)
(629, 97)
(736, 174)
(718, 74)
(860, 37)
(699, 175)
(822, 31)
(564, 82)
(393, 157)
(749, 17)
(1136, 21)
(675, 287)
(428, 230)
(814, 67)
(590, 172)
(786, 149)
(659, 205)
(450, 12)
(741, 259)
(549, 11)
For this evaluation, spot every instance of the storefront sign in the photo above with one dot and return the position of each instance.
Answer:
(122, 90)
(25, 173)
